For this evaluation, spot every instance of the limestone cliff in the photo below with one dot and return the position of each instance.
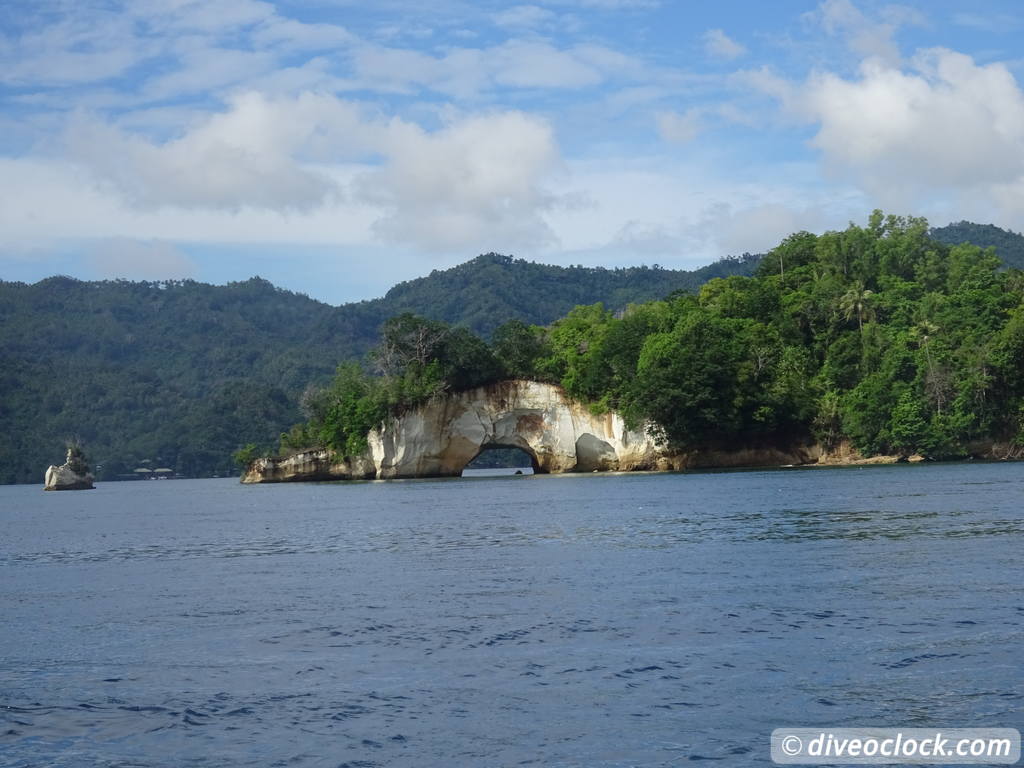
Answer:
(559, 434)
(72, 475)
(439, 438)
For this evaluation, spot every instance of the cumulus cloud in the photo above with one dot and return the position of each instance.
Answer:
(938, 131)
(945, 125)
(719, 45)
(249, 155)
(477, 180)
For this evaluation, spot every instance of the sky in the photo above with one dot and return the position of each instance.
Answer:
(336, 147)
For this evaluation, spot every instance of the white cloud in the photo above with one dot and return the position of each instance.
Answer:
(679, 128)
(289, 34)
(516, 63)
(996, 23)
(211, 16)
(479, 182)
(867, 37)
(139, 260)
(946, 122)
(174, 47)
(720, 46)
(756, 228)
(476, 183)
(938, 133)
(206, 69)
(525, 64)
(249, 155)
(79, 48)
(677, 213)
(524, 16)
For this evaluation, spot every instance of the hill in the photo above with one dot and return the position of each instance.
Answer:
(1009, 245)
(876, 337)
(492, 289)
(180, 374)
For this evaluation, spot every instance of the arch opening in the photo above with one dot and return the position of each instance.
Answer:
(495, 459)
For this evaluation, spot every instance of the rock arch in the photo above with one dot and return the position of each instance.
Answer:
(534, 462)
(558, 433)
(439, 438)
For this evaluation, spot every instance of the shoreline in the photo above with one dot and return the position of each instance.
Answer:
(324, 466)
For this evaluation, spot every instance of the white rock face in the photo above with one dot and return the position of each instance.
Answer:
(309, 465)
(63, 478)
(440, 438)
(559, 434)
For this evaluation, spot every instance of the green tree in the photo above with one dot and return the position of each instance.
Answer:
(518, 347)
(246, 455)
(857, 303)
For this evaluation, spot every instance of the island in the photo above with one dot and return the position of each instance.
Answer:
(73, 475)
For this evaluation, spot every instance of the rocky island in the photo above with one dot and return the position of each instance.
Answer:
(73, 475)
(557, 432)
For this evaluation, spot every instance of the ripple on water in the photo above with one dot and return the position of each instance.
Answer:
(592, 621)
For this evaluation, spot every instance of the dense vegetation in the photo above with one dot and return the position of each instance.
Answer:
(877, 334)
(181, 374)
(493, 289)
(1009, 245)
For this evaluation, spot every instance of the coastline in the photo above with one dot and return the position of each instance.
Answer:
(325, 466)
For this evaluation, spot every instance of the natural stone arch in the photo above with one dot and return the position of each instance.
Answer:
(439, 438)
(534, 461)
(558, 433)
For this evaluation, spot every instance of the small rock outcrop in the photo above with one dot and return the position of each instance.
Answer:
(72, 475)
(309, 466)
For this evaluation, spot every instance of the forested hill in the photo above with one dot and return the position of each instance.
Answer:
(879, 337)
(492, 289)
(1009, 245)
(180, 374)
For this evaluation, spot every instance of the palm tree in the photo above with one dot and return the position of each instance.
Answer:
(856, 302)
(937, 381)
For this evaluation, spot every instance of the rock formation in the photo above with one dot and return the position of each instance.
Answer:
(439, 438)
(559, 434)
(72, 475)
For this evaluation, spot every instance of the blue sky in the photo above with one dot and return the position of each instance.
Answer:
(337, 147)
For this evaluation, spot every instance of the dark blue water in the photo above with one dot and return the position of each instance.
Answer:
(558, 621)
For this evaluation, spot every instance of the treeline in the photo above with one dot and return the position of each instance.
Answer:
(880, 334)
(179, 374)
(1009, 245)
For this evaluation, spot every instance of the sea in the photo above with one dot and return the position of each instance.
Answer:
(528, 620)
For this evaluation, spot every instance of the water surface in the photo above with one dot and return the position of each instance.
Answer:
(599, 620)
